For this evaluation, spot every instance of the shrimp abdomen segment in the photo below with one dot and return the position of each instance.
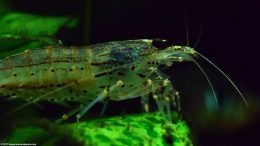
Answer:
(39, 71)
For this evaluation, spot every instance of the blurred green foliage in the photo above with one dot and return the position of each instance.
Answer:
(140, 129)
(33, 24)
(20, 31)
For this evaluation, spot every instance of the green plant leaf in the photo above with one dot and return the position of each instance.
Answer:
(20, 31)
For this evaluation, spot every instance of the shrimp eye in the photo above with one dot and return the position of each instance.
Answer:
(159, 43)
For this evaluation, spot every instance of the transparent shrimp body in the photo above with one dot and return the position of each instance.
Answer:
(115, 70)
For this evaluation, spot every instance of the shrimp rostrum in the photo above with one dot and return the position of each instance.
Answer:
(116, 70)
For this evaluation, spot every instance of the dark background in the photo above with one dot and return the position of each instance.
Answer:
(229, 38)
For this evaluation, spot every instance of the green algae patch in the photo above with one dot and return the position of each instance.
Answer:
(140, 129)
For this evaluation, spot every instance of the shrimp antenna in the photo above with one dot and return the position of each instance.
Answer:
(196, 43)
(207, 78)
(233, 84)
(186, 29)
(201, 28)
(16, 109)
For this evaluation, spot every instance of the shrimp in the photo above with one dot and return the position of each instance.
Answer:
(116, 70)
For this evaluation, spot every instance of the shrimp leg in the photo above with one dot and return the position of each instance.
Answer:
(104, 107)
(68, 115)
(145, 102)
(100, 97)
(164, 95)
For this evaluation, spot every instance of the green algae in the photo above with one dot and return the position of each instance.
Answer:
(136, 129)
